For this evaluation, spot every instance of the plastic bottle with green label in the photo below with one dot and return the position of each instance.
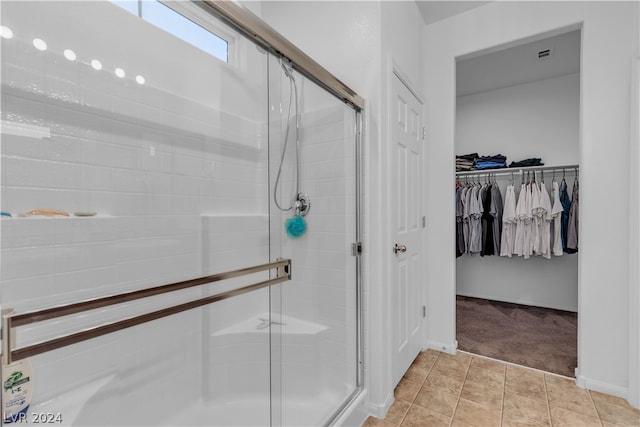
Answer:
(17, 390)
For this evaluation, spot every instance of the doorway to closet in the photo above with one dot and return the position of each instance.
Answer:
(520, 101)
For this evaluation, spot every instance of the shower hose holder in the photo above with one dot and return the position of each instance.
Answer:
(302, 204)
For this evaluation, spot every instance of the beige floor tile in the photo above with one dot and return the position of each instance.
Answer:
(454, 366)
(601, 397)
(511, 420)
(421, 417)
(489, 365)
(560, 382)
(459, 355)
(458, 423)
(416, 373)
(488, 376)
(620, 413)
(483, 393)
(376, 422)
(564, 393)
(398, 411)
(606, 424)
(439, 380)
(525, 382)
(432, 351)
(437, 400)
(476, 415)
(563, 418)
(528, 410)
(523, 373)
(474, 389)
(407, 390)
(426, 359)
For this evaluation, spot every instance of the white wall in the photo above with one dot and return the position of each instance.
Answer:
(634, 232)
(536, 119)
(608, 44)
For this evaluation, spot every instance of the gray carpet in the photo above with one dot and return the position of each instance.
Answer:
(536, 337)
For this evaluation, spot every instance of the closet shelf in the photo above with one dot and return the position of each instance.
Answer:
(518, 170)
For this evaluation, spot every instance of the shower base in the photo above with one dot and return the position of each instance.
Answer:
(256, 411)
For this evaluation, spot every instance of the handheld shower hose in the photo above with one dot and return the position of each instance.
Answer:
(301, 203)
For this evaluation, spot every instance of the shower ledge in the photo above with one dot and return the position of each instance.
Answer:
(17, 217)
(290, 325)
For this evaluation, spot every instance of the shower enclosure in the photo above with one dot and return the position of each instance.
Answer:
(140, 147)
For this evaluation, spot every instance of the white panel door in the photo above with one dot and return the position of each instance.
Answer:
(406, 251)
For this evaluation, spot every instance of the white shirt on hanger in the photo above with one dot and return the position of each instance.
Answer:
(556, 215)
(545, 229)
(536, 213)
(509, 220)
(521, 214)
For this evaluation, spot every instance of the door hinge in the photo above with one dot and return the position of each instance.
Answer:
(424, 132)
(424, 311)
(356, 249)
(424, 222)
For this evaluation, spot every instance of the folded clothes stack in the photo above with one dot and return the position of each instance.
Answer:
(534, 161)
(465, 162)
(496, 161)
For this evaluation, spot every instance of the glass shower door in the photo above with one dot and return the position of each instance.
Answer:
(314, 343)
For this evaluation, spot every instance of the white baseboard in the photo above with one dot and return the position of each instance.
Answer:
(602, 387)
(447, 348)
(380, 411)
(521, 301)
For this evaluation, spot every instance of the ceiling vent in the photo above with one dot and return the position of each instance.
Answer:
(545, 53)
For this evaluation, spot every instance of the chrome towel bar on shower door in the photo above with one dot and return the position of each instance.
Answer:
(12, 321)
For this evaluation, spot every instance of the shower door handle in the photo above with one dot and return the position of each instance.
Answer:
(397, 248)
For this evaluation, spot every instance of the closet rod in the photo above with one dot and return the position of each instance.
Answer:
(518, 171)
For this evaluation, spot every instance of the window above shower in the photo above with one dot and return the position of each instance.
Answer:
(175, 23)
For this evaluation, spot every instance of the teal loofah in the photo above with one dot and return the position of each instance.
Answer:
(296, 226)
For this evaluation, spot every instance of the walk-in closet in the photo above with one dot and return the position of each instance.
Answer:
(517, 146)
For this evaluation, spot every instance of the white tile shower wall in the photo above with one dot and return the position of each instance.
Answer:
(232, 242)
(323, 285)
(118, 168)
(236, 365)
(149, 160)
(150, 51)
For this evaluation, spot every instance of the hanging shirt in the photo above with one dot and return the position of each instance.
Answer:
(459, 212)
(572, 233)
(545, 229)
(529, 234)
(487, 221)
(509, 220)
(566, 206)
(536, 214)
(475, 221)
(458, 221)
(496, 211)
(556, 215)
(466, 194)
(521, 225)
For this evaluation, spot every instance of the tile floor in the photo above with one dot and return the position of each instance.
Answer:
(466, 390)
